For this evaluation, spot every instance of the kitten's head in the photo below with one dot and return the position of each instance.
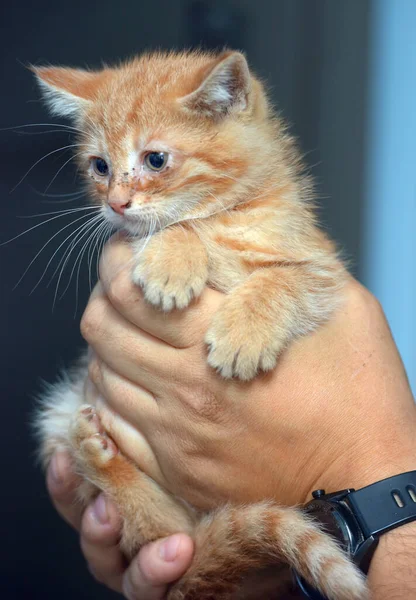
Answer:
(165, 137)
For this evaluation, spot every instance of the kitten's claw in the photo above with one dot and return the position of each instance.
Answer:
(237, 347)
(99, 448)
(172, 270)
(175, 291)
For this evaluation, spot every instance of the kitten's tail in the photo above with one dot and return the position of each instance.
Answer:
(233, 540)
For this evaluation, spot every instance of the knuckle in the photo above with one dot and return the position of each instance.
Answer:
(92, 320)
(94, 371)
(202, 402)
(121, 290)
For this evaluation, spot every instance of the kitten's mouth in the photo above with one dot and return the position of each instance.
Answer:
(137, 223)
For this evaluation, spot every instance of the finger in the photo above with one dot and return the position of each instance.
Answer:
(120, 391)
(91, 392)
(131, 441)
(157, 565)
(62, 484)
(100, 535)
(105, 394)
(133, 353)
(179, 328)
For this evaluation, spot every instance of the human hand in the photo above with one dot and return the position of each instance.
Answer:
(336, 412)
(148, 575)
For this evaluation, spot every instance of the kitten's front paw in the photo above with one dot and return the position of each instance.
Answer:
(170, 282)
(239, 344)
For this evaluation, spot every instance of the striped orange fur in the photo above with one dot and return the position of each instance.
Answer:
(231, 207)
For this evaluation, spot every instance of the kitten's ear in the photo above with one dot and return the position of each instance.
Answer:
(67, 92)
(224, 89)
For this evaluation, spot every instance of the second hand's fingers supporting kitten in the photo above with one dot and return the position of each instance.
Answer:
(179, 328)
(100, 535)
(157, 565)
(129, 439)
(62, 484)
(119, 390)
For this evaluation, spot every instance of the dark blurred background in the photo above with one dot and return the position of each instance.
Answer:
(343, 74)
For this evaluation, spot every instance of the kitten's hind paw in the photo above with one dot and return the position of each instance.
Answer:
(91, 443)
(99, 448)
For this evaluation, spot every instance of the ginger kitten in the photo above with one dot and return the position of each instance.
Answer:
(184, 150)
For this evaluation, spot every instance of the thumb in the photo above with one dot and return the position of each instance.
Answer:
(157, 565)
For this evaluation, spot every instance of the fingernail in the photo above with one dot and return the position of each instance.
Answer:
(100, 510)
(57, 467)
(169, 549)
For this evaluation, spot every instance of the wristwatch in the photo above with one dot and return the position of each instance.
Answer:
(358, 518)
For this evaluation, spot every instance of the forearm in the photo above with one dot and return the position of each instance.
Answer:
(392, 574)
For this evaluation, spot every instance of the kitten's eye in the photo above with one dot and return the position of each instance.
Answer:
(100, 166)
(156, 161)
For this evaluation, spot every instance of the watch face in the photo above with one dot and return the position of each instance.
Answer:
(332, 520)
(336, 519)
(345, 534)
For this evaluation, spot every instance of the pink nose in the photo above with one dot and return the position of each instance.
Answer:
(119, 206)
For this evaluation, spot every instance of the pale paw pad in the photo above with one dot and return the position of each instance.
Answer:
(90, 441)
(99, 447)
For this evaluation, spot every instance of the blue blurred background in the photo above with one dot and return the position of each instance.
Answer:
(342, 72)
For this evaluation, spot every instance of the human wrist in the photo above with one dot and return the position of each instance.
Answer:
(371, 458)
(392, 573)
(356, 476)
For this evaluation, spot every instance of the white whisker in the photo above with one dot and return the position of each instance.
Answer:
(61, 125)
(66, 211)
(94, 219)
(225, 208)
(97, 249)
(40, 160)
(81, 195)
(46, 244)
(44, 195)
(43, 132)
(79, 236)
(68, 197)
(92, 249)
(106, 236)
(34, 227)
(60, 169)
(81, 255)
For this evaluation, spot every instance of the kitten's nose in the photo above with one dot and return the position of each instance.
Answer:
(119, 206)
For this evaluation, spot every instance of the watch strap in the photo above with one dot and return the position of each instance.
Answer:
(358, 518)
(385, 505)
